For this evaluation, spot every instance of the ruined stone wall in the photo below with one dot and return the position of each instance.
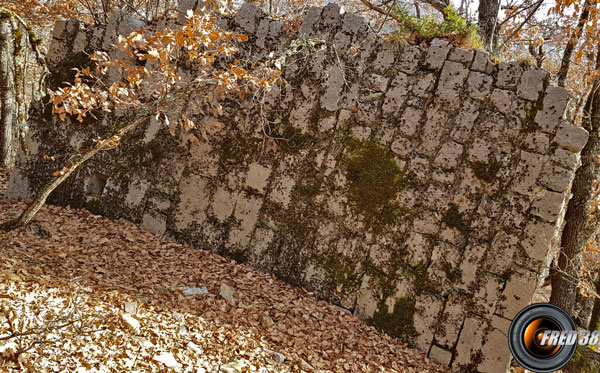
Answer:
(420, 187)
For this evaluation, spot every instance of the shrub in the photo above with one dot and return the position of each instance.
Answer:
(453, 28)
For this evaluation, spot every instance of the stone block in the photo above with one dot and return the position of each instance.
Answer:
(433, 130)
(509, 74)
(571, 137)
(464, 121)
(480, 151)
(548, 205)
(282, 190)
(453, 315)
(470, 340)
(423, 85)
(449, 154)
(419, 248)
(193, 201)
(410, 121)
(396, 95)
(335, 83)
(531, 84)
(436, 54)
(461, 55)
(410, 59)
(311, 20)
(440, 355)
(554, 104)
(537, 142)
(426, 316)
(471, 261)
(154, 222)
(566, 158)
(135, 193)
(517, 294)
(556, 178)
(539, 238)
(223, 203)
(503, 247)
(361, 132)
(367, 301)
(452, 79)
(527, 172)
(486, 295)
(495, 352)
(481, 61)
(503, 100)
(426, 223)
(401, 146)
(479, 85)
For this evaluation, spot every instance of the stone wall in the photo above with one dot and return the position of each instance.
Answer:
(422, 188)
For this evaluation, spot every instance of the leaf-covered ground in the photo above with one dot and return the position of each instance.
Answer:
(82, 293)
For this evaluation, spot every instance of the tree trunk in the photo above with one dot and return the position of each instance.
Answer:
(578, 228)
(488, 17)
(572, 43)
(7, 93)
(595, 319)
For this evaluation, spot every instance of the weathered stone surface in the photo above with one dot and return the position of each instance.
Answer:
(531, 84)
(538, 239)
(556, 178)
(495, 351)
(440, 355)
(527, 173)
(469, 342)
(410, 121)
(480, 61)
(479, 85)
(452, 78)
(517, 294)
(436, 54)
(154, 222)
(571, 137)
(555, 102)
(461, 55)
(449, 154)
(508, 74)
(503, 100)
(548, 205)
(537, 142)
(566, 158)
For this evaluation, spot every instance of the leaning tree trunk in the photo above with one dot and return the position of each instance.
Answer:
(7, 93)
(578, 228)
(488, 18)
(572, 43)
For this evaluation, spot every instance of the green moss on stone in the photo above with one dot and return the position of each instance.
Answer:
(453, 218)
(374, 181)
(341, 270)
(122, 170)
(585, 360)
(487, 171)
(400, 322)
(422, 284)
(94, 206)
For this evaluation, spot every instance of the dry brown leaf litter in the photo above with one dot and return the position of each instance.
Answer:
(68, 293)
